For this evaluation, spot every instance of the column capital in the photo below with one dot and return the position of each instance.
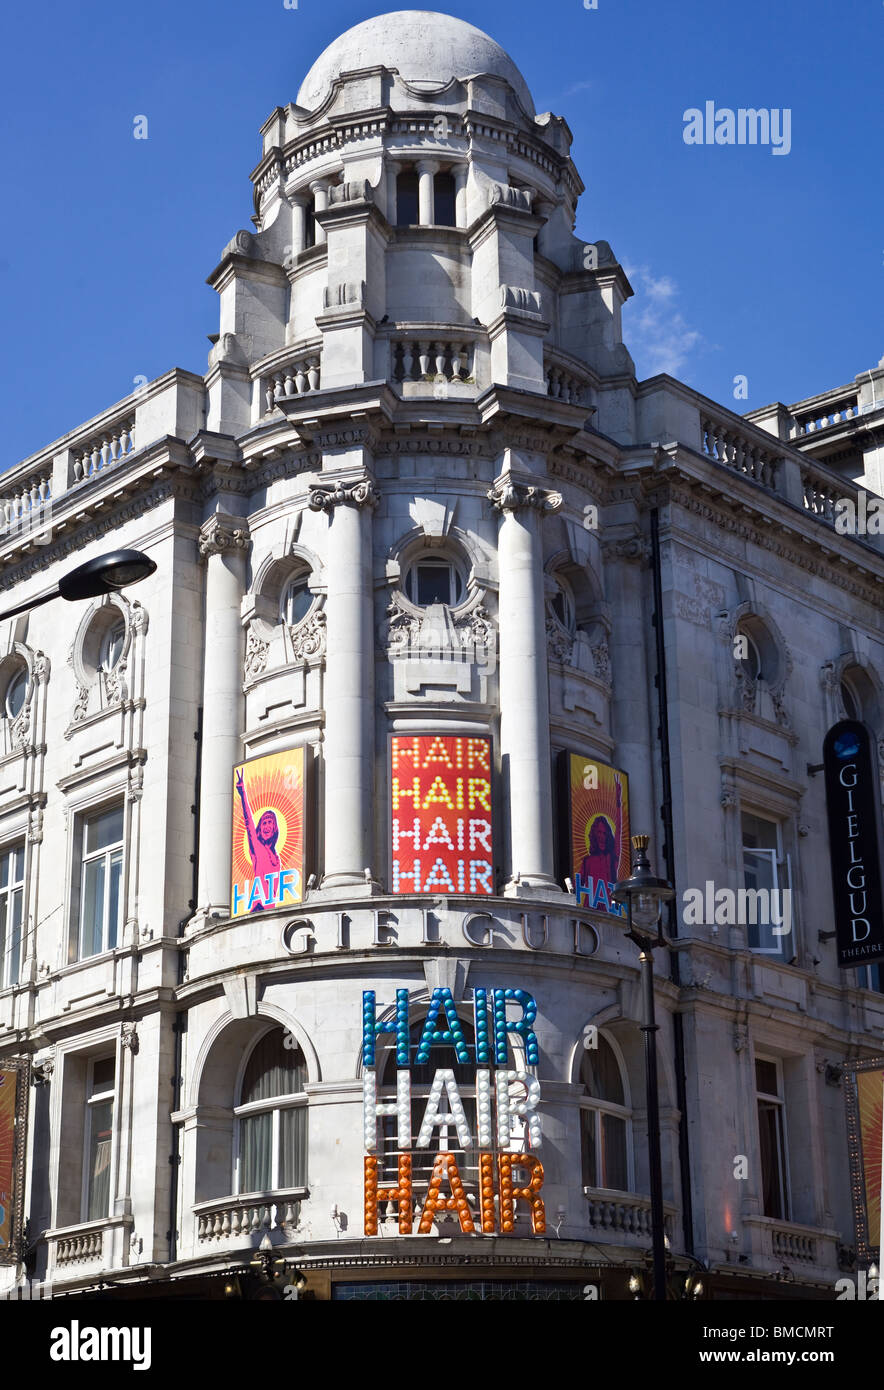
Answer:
(510, 496)
(223, 533)
(361, 493)
(427, 166)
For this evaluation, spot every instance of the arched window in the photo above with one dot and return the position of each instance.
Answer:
(604, 1119)
(407, 214)
(272, 1117)
(850, 701)
(443, 200)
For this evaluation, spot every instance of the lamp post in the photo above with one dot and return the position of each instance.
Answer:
(105, 574)
(644, 894)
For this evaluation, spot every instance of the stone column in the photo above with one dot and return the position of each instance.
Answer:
(425, 199)
(349, 681)
(319, 189)
(461, 174)
(223, 544)
(523, 677)
(299, 223)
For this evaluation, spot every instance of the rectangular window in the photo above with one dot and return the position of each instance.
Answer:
(273, 1149)
(604, 1150)
(101, 882)
(12, 892)
(767, 878)
(772, 1139)
(99, 1130)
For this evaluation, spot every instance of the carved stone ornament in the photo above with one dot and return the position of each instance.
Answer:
(361, 494)
(510, 496)
(222, 533)
(115, 683)
(308, 637)
(601, 657)
(129, 1038)
(81, 703)
(560, 644)
(256, 655)
(42, 1069)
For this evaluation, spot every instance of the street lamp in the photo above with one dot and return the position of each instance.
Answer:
(644, 895)
(104, 575)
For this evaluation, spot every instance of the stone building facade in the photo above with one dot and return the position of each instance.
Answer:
(421, 491)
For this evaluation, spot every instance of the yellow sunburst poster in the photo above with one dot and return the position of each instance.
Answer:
(267, 860)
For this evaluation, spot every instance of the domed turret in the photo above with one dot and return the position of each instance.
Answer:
(427, 49)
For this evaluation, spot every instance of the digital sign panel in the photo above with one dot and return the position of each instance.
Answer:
(267, 862)
(441, 814)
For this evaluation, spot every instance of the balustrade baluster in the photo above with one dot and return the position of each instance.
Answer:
(423, 350)
(439, 351)
(407, 361)
(313, 373)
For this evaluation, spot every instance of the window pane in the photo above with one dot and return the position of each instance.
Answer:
(766, 1077)
(273, 1069)
(588, 1120)
(18, 872)
(4, 963)
(114, 897)
(104, 830)
(93, 907)
(15, 694)
(293, 1147)
(102, 1076)
(600, 1073)
(98, 1159)
(112, 646)
(13, 959)
(770, 1136)
(614, 1152)
(433, 584)
(406, 199)
(759, 833)
(5, 866)
(443, 199)
(256, 1138)
(297, 601)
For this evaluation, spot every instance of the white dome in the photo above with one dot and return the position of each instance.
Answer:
(425, 47)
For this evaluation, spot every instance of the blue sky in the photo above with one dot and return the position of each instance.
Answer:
(743, 262)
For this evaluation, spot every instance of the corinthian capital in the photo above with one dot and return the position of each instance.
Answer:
(222, 533)
(509, 496)
(360, 494)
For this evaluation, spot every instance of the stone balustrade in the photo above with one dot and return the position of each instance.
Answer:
(822, 490)
(847, 408)
(253, 1214)
(114, 443)
(301, 374)
(775, 1243)
(26, 505)
(432, 359)
(80, 1248)
(623, 1217)
(738, 449)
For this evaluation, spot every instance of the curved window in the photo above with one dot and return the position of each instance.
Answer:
(296, 600)
(604, 1119)
(435, 580)
(272, 1116)
(443, 200)
(16, 690)
(112, 644)
(407, 199)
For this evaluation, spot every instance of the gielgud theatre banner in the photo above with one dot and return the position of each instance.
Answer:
(864, 1090)
(267, 862)
(13, 1116)
(595, 829)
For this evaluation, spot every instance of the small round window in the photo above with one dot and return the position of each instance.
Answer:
(432, 581)
(16, 691)
(297, 600)
(112, 644)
